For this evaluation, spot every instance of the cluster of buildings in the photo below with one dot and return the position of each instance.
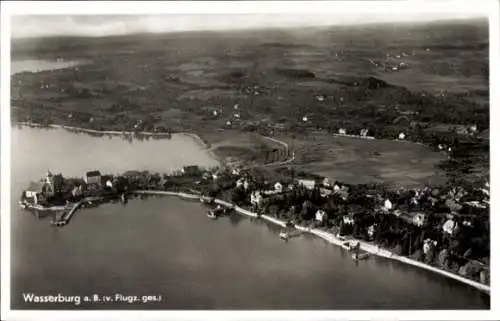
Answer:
(56, 188)
(412, 212)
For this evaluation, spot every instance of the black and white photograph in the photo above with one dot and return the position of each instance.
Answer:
(311, 157)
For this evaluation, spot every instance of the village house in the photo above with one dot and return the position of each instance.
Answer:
(93, 178)
(320, 215)
(450, 226)
(363, 132)
(190, 170)
(371, 231)
(387, 205)
(348, 219)
(342, 131)
(36, 192)
(428, 245)
(278, 187)
(256, 199)
(77, 191)
(307, 183)
(239, 182)
(401, 136)
(419, 219)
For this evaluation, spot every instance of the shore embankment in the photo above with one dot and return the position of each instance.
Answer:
(329, 237)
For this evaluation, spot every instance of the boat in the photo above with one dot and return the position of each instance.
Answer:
(360, 256)
(284, 236)
(212, 214)
(216, 212)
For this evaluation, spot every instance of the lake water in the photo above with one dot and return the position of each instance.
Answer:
(168, 247)
(17, 66)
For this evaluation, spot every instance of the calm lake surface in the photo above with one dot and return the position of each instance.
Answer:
(168, 247)
(17, 66)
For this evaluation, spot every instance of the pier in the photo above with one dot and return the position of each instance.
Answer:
(66, 217)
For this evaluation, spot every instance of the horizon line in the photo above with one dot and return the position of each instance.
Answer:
(246, 28)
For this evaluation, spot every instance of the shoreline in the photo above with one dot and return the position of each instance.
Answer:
(196, 137)
(198, 140)
(327, 236)
(330, 238)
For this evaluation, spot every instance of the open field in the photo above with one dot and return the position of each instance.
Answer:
(241, 146)
(361, 161)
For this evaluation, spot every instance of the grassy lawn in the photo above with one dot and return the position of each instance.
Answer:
(361, 161)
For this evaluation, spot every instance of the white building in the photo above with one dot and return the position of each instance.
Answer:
(307, 183)
(401, 136)
(327, 182)
(305, 119)
(387, 205)
(467, 223)
(336, 188)
(239, 183)
(428, 245)
(256, 199)
(449, 226)
(278, 187)
(371, 231)
(363, 132)
(342, 131)
(347, 219)
(419, 219)
(109, 184)
(320, 215)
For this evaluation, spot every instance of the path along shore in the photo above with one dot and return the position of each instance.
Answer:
(329, 237)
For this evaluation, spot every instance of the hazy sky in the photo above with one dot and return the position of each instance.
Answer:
(104, 25)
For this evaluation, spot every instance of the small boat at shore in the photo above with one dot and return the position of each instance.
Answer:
(216, 212)
(211, 214)
(284, 236)
(360, 256)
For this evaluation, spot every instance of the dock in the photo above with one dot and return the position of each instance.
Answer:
(66, 217)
